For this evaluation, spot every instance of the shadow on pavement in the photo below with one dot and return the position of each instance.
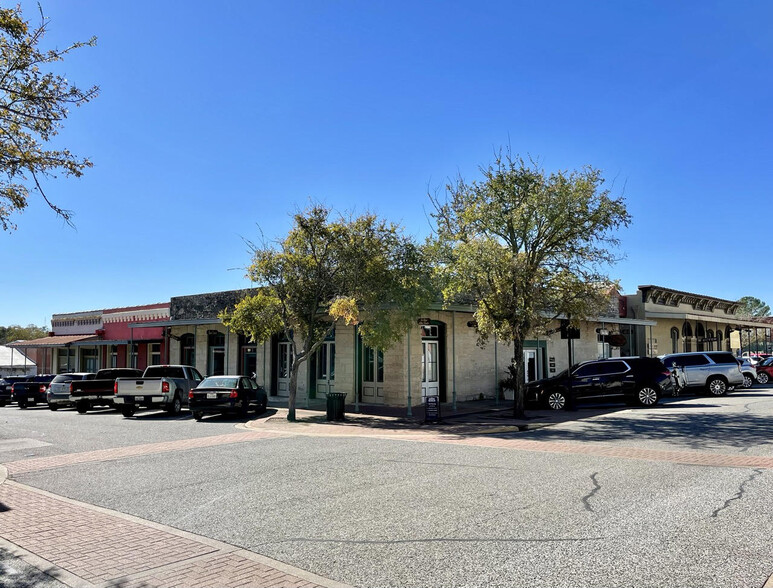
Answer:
(697, 431)
(236, 418)
(16, 574)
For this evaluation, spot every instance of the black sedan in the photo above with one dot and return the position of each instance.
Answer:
(224, 394)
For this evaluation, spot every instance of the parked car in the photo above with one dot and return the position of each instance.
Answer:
(86, 394)
(224, 394)
(635, 380)
(5, 387)
(31, 391)
(716, 371)
(161, 386)
(765, 371)
(58, 393)
(749, 372)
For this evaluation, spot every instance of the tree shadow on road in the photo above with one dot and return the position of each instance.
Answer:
(696, 431)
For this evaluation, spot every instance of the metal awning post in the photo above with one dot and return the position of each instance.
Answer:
(409, 412)
(453, 358)
(356, 378)
(496, 371)
(227, 348)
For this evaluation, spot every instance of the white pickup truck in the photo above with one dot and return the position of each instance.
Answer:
(161, 386)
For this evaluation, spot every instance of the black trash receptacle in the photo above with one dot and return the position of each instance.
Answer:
(335, 406)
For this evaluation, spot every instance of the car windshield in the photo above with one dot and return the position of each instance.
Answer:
(67, 378)
(219, 382)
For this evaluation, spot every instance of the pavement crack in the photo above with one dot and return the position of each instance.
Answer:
(591, 494)
(738, 495)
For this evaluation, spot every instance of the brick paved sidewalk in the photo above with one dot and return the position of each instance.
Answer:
(85, 546)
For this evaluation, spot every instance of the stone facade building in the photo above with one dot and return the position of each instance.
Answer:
(440, 355)
(691, 322)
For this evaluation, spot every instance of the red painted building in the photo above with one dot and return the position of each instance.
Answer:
(124, 346)
(91, 340)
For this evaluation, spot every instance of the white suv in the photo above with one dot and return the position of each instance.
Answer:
(718, 371)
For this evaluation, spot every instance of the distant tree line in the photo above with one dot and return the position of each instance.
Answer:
(17, 332)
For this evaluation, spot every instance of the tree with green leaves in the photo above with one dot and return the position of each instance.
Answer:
(752, 307)
(19, 333)
(331, 270)
(528, 247)
(34, 104)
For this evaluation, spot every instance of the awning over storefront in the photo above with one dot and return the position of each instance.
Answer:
(55, 341)
(724, 320)
(623, 321)
(99, 342)
(180, 323)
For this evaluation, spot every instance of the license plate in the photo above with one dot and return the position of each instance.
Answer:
(211, 395)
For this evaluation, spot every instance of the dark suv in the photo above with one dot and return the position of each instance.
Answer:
(637, 381)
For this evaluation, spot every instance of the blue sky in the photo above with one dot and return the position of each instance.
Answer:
(215, 120)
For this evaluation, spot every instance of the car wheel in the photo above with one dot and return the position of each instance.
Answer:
(647, 396)
(22, 404)
(260, 407)
(127, 411)
(53, 406)
(556, 400)
(763, 378)
(177, 405)
(82, 407)
(2, 403)
(198, 414)
(717, 386)
(748, 381)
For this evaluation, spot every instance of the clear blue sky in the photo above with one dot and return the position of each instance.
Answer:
(217, 118)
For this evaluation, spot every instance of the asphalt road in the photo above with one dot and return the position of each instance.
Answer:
(383, 513)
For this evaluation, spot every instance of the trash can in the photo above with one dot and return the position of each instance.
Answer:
(335, 406)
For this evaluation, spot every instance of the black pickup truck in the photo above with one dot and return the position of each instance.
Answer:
(5, 387)
(32, 391)
(86, 394)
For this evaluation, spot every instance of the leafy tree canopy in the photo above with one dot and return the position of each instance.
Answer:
(34, 103)
(17, 333)
(333, 270)
(528, 246)
(753, 307)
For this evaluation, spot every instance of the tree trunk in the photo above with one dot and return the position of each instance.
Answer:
(293, 391)
(519, 396)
